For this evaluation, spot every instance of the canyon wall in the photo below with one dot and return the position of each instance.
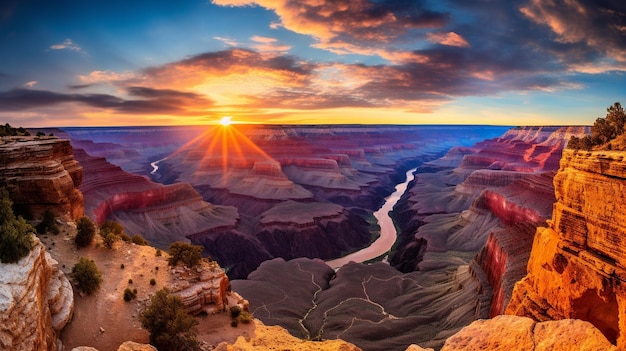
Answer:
(467, 223)
(36, 302)
(576, 268)
(41, 174)
(160, 213)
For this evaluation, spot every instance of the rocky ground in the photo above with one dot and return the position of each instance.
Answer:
(104, 320)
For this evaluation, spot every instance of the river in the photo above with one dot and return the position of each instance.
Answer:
(387, 230)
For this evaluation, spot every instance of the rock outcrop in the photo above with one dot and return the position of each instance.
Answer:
(205, 288)
(267, 338)
(36, 302)
(577, 264)
(127, 346)
(160, 213)
(40, 174)
(512, 333)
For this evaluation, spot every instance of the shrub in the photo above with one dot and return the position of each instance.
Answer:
(87, 275)
(245, 317)
(152, 281)
(158, 253)
(130, 281)
(129, 294)
(16, 236)
(85, 231)
(169, 324)
(122, 266)
(47, 224)
(234, 323)
(111, 227)
(125, 237)
(139, 240)
(110, 239)
(603, 130)
(190, 255)
(235, 311)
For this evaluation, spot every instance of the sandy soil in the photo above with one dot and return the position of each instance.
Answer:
(104, 320)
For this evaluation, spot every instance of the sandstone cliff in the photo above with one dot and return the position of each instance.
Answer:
(36, 302)
(511, 333)
(576, 268)
(41, 173)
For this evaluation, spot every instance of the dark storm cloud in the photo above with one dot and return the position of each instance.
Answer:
(159, 102)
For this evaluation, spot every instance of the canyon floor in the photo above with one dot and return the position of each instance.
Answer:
(106, 308)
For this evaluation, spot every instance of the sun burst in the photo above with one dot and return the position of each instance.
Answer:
(226, 121)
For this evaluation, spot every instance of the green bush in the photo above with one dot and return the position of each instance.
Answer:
(170, 326)
(158, 253)
(111, 227)
(190, 255)
(603, 130)
(235, 311)
(87, 275)
(152, 281)
(85, 232)
(110, 239)
(245, 317)
(139, 240)
(16, 236)
(129, 294)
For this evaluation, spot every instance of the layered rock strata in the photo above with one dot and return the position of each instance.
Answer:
(36, 302)
(40, 174)
(511, 333)
(467, 225)
(161, 214)
(576, 267)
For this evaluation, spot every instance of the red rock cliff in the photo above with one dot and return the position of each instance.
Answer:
(577, 264)
(40, 174)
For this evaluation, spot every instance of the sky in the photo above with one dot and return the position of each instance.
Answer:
(193, 62)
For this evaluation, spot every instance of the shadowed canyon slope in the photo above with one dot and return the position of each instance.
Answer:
(577, 263)
(464, 215)
(254, 179)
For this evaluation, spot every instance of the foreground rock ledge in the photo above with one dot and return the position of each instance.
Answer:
(268, 338)
(512, 333)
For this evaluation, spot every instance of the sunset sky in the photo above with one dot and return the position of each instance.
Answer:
(96, 63)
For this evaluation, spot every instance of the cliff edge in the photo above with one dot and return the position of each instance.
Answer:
(36, 302)
(577, 264)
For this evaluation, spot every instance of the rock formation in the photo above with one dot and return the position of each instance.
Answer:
(127, 346)
(512, 333)
(205, 288)
(36, 302)
(161, 214)
(40, 174)
(276, 338)
(576, 267)
(467, 225)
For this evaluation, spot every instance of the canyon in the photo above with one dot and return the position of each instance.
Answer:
(511, 224)
(461, 219)
(235, 190)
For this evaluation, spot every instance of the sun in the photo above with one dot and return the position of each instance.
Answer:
(226, 121)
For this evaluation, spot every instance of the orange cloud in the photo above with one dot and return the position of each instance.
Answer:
(265, 44)
(450, 39)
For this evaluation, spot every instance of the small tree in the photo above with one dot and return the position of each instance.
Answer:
(87, 275)
(190, 255)
(139, 240)
(169, 324)
(85, 231)
(16, 236)
(111, 227)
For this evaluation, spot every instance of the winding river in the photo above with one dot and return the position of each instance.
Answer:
(387, 230)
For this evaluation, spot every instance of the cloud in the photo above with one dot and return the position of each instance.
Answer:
(585, 31)
(450, 38)
(106, 76)
(265, 44)
(351, 26)
(154, 101)
(67, 44)
(227, 41)
(30, 84)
